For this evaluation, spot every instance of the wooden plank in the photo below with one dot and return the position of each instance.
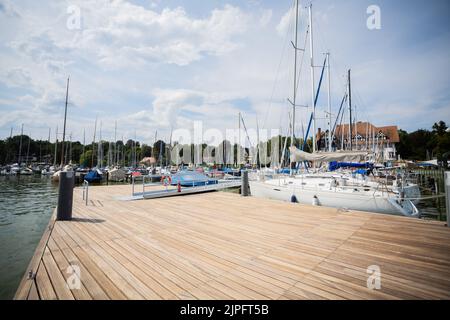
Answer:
(65, 266)
(44, 285)
(57, 279)
(34, 295)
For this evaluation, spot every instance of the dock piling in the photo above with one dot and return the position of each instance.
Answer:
(244, 187)
(447, 196)
(65, 195)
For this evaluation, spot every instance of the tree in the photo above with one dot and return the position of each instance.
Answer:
(86, 159)
(146, 151)
(159, 151)
(439, 128)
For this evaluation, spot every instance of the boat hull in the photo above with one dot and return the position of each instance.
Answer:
(360, 202)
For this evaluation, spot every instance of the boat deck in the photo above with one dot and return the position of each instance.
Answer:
(223, 246)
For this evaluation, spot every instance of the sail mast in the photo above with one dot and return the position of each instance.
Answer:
(238, 151)
(56, 146)
(20, 145)
(93, 142)
(295, 73)
(311, 51)
(116, 156)
(350, 109)
(329, 103)
(84, 140)
(64, 129)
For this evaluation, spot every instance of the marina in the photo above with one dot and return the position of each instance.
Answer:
(224, 246)
(293, 150)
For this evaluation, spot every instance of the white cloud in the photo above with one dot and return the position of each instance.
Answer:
(286, 22)
(119, 33)
(151, 67)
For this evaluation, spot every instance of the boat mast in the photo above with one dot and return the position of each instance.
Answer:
(311, 51)
(295, 73)
(258, 155)
(64, 129)
(329, 103)
(238, 151)
(93, 143)
(70, 148)
(28, 150)
(350, 109)
(48, 145)
(116, 156)
(170, 148)
(84, 140)
(56, 146)
(20, 145)
(100, 148)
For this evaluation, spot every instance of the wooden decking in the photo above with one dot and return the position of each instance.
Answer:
(223, 246)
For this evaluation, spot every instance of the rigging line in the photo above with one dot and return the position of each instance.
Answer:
(246, 132)
(279, 63)
(299, 74)
(363, 105)
(301, 61)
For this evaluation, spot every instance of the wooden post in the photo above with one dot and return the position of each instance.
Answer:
(65, 195)
(447, 196)
(244, 187)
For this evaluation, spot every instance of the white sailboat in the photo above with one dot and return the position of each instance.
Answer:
(339, 190)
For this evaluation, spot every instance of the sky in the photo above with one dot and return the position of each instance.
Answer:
(161, 65)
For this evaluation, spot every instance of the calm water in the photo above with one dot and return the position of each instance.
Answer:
(26, 204)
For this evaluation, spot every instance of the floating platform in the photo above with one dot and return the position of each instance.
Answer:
(171, 191)
(219, 245)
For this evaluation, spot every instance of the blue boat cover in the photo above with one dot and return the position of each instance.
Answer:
(191, 179)
(334, 165)
(93, 176)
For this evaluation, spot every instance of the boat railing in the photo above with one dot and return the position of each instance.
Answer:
(133, 182)
(85, 191)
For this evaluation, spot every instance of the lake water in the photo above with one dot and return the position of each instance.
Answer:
(26, 204)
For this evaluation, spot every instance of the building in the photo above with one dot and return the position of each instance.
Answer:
(366, 136)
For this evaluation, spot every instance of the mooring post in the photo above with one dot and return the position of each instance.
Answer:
(447, 195)
(244, 187)
(65, 195)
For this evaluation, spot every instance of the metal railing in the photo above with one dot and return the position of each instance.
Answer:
(85, 191)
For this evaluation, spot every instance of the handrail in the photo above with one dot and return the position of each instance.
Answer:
(86, 191)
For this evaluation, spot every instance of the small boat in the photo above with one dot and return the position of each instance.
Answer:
(94, 175)
(47, 172)
(37, 170)
(15, 169)
(25, 172)
(191, 179)
(55, 176)
(116, 175)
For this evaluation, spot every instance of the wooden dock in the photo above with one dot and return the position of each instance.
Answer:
(223, 246)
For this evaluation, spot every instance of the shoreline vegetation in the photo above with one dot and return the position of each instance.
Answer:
(419, 145)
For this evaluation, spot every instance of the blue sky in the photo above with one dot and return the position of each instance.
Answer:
(157, 65)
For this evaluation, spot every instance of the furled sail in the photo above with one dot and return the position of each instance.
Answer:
(299, 155)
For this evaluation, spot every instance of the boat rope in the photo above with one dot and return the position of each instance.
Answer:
(425, 198)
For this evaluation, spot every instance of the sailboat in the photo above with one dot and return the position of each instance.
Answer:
(340, 189)
(55, 176)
